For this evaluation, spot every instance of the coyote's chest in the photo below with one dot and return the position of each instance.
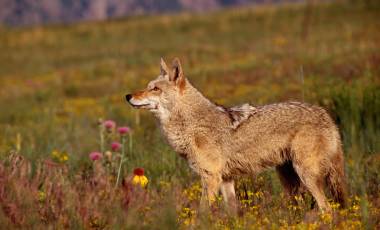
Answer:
(176, 133)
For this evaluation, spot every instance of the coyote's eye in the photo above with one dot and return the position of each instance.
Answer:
(156, 88)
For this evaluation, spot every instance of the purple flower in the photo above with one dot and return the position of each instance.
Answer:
(115, 146)
(95, 156)
(109, 124)
(123, 130)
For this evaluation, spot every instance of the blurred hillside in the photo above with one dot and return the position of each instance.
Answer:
(27, 12)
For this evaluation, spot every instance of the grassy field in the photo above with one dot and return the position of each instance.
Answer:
(59, 83)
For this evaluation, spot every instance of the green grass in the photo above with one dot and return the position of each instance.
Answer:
(57, 81)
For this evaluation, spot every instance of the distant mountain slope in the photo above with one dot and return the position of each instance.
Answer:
(29, 12)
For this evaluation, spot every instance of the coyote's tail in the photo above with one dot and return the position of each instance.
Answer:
(337, 184)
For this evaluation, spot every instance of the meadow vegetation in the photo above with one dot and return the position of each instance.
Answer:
(59, 83)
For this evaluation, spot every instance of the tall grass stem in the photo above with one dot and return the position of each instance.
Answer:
(122, 159)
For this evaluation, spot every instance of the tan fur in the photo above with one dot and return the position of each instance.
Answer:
(221, 144)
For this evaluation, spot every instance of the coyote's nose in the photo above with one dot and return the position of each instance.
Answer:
(128, 97)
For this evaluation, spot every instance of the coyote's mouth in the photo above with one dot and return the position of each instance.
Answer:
(144, 106)
(140, 106)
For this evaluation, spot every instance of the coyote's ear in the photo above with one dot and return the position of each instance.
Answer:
(164, 68)
(177, 72)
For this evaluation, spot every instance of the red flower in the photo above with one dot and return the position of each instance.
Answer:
(138, 171)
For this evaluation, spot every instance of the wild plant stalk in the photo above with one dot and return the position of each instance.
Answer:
(18, 142)
(101, 133)
(121, 159)
(130, 143)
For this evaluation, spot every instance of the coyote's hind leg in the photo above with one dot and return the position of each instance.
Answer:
(314, 182)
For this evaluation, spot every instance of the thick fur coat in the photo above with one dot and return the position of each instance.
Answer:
(220, 144)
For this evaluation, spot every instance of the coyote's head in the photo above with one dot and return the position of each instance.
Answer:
(162, 93)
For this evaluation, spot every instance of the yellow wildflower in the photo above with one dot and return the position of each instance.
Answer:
(60, 157)
(187, 216)
(326, 218)
(194, 192)
(55, 154)
(139, 178)
(41, 196)
(64, 157)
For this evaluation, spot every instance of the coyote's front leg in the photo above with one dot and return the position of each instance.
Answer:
(210, 188)
(228, 191)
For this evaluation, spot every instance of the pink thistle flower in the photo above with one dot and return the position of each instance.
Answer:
(109, 124)
(115, 146)
(95, 156)
(123, 130)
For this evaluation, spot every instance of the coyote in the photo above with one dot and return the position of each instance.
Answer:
(300, 140)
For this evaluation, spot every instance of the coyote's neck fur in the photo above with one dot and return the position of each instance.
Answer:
(191, 110)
